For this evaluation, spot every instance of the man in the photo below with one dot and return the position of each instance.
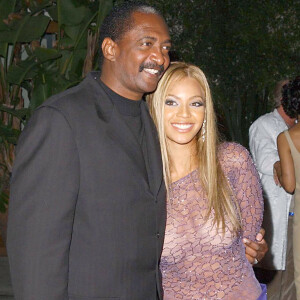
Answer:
(278, 208)
(87, 212)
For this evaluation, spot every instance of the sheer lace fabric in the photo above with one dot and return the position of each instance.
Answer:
(198, 261)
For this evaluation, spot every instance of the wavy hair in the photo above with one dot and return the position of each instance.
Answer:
(278, 92)
(218, 190)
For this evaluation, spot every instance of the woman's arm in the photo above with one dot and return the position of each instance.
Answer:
(249, 195)
(241, 172)
(244, 179)
(287, 176)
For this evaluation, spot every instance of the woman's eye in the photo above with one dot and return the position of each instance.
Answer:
(170, 102)
(197, 103)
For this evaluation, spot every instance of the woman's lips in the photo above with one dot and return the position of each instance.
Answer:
(182, 127)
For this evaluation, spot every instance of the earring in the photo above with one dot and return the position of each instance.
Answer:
(203, 130)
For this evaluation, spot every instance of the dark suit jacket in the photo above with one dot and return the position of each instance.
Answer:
(86, 219)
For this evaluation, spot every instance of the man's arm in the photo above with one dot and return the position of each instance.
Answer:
(264, 152)
(277, 173)
(44, 189)
(263, 147)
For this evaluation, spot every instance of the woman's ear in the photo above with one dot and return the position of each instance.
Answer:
(109, 49)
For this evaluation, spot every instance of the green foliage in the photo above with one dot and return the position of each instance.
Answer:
(244, 48)
(3, 201)
(28, 68)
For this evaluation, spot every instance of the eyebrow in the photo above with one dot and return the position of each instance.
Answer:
(168, 41)
(193, 97)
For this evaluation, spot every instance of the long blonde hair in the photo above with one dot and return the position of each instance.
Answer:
(220, 198)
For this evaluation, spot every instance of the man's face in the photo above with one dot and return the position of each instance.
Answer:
(142, 56)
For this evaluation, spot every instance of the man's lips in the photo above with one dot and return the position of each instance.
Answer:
(152, 69)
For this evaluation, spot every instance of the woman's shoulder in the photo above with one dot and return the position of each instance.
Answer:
(232, 151)
(235, 160)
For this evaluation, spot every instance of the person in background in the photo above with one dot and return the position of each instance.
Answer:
(278, 215)
(214, 194)
(288, 168)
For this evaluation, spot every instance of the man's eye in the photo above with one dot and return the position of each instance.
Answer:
(170, 102)
(168, 48)
(147, 44)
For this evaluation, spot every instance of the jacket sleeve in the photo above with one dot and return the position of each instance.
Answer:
(263, 148)
(44, 188)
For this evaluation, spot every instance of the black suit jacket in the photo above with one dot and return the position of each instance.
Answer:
(86, 219)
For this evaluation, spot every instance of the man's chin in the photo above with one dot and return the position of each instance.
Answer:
(150, 85)
(150, 89)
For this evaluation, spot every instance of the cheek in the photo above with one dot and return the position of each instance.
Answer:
(199, 117)
(139, 58)
(167, 61)
(128, 65)
(168, 114)
(167, 119)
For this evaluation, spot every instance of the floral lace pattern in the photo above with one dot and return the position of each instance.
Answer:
(198, 261)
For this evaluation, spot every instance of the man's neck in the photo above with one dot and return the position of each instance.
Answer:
(116, 86)
(288, 121)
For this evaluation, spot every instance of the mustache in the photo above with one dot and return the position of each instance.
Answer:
(143, 66)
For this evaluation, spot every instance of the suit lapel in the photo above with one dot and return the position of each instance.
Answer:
(118, 131)
(116, 127)
(153, 151)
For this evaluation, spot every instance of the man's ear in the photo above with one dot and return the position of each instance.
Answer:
(109, 49)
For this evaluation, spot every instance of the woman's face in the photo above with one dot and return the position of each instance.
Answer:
(184, 111)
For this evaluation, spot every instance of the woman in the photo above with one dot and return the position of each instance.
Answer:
(288, 169)
(214, 194)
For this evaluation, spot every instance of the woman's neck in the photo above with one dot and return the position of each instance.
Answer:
(183, 160)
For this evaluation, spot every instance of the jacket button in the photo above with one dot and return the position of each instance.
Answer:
(158, 235)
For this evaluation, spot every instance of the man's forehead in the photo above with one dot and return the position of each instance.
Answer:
(149, 22)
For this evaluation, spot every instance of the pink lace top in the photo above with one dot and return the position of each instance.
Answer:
(198, 262)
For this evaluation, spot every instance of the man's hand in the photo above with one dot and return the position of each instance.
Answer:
(277, 173)
(255, 251)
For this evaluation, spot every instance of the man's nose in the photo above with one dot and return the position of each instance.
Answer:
(157, 56)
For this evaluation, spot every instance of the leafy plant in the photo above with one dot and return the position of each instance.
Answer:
(30, 72)
(244, 48)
